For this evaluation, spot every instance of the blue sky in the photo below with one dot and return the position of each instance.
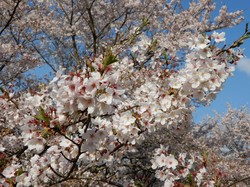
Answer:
(236, 90)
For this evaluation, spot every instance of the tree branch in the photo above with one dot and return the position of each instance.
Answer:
(11, 16)
(241, 180)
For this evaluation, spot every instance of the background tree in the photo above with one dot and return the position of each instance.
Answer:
(228, 136)
(222, 140)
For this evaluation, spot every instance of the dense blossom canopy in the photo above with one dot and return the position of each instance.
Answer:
(124, 71)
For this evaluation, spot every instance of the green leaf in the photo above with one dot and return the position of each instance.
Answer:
(138, 183)
(190, 179)
(19, 171)
(45, 133)
(42, 115)
(145, 22)
(109, 59)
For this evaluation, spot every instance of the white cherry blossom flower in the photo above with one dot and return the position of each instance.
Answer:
(168, 183)
(161, 174)
(10, 171)
(107, 96)
(23, 180)
(171, 162)
(37, 144)
(2, 148)
(86, 102)
(159, 161)
(218, 37)
(165, 102)
(200, 42)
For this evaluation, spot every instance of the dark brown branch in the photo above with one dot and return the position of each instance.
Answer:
(13, 77)
(236, 43)
(74, 165)
(21, 151)
(65, 157)
(118, 147)
(110, 182)
(2, 66)
(73, 37)
(92, 28)
(11, 16)
(123, 23)
(47, 62)
(58, 174)
(59, 132)
(241, 180)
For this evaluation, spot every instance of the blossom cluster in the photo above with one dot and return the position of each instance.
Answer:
(62, 34)
(206, 71)
(171, 170)
(90, 117)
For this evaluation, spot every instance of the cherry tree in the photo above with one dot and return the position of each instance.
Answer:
(222, 144)
(67, 32)
(227, 136)
(16, 57)
(124, 70)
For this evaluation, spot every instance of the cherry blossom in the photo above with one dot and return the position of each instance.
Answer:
(219, 37)
(122, 72)
(10, 171)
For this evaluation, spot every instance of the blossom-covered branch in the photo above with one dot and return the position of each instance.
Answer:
(127, 70)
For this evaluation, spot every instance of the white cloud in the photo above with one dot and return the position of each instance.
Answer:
(244, 65)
